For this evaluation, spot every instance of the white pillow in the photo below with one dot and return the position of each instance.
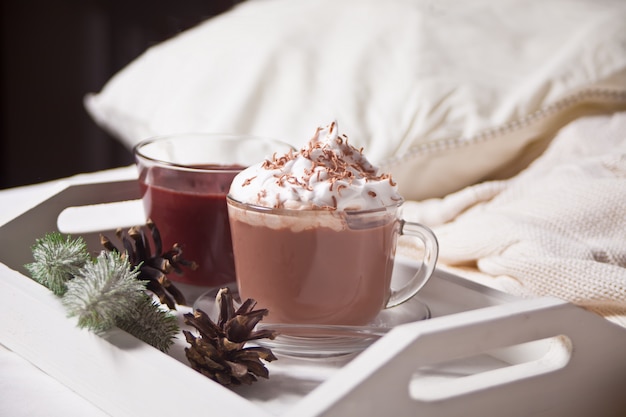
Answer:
(442, 94)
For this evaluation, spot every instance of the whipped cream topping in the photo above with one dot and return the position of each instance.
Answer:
(327, 173)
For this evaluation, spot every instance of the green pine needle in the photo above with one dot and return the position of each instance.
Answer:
(150, 323)
(102, 291)
(57, 260)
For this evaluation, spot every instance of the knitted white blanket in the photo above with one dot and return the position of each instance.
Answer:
(558, 228)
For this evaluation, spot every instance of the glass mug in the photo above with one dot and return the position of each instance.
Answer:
(323, 267)
(184, 179)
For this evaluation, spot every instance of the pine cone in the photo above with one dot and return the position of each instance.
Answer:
(219, 352)
(153, 267)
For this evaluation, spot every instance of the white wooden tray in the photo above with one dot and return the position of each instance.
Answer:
(483, 352)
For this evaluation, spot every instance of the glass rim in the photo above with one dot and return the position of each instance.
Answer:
(137, 153)
(304, 211)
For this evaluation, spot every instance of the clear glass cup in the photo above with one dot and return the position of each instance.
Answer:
(184, 179)
(323, 267)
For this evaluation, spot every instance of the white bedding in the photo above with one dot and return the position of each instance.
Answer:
(558, 228)
(443, 94)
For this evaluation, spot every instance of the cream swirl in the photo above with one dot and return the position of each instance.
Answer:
(327, 173)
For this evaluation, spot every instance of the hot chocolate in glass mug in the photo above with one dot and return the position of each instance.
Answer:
(314, 235)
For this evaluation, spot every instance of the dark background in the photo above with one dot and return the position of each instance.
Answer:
(53, 53)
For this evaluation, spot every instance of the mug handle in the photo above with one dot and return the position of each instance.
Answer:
(425, 271)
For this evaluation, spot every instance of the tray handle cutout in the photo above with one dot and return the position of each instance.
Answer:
(444, 380)
(99, 217)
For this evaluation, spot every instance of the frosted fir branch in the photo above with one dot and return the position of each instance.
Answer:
(57, 260)
(150, 323)
(103, 291)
